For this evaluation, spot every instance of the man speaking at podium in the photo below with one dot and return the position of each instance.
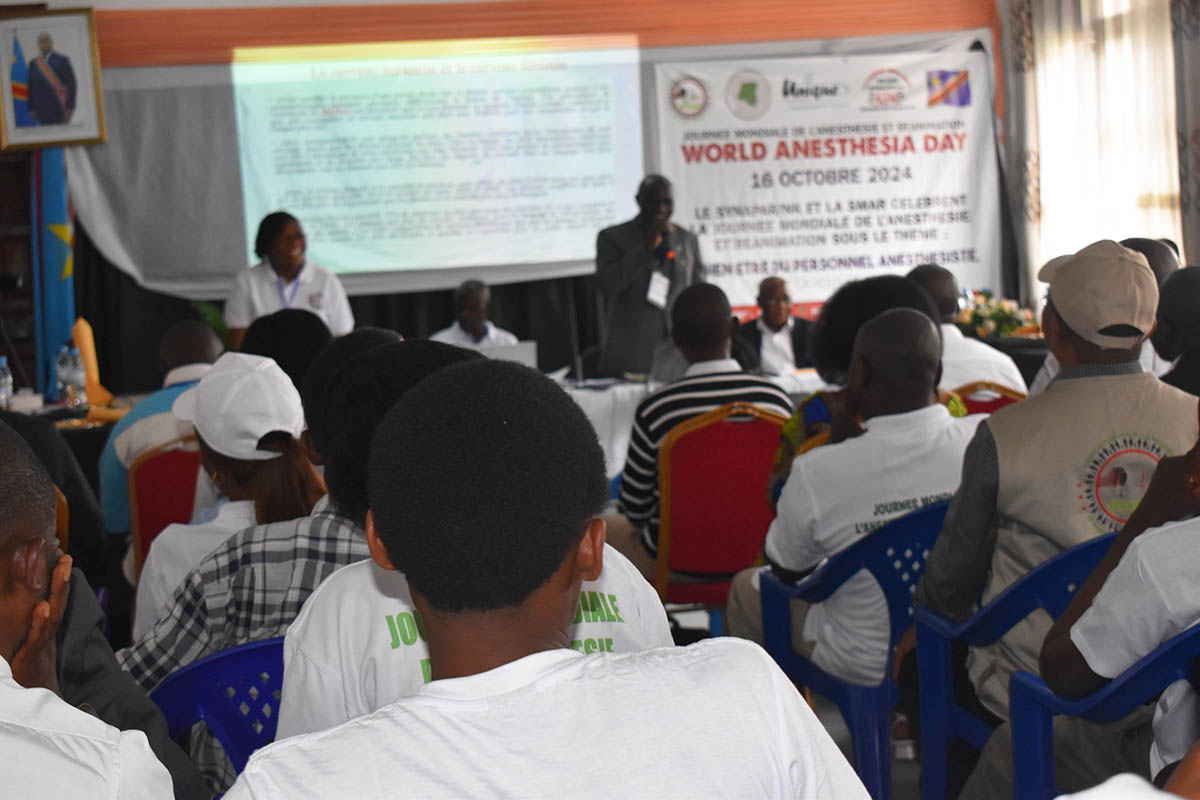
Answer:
(641, 266)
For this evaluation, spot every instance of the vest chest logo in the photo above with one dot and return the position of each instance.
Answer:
(1116, 476)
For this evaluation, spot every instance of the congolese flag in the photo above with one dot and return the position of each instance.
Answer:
(53, 262)
(20, 87)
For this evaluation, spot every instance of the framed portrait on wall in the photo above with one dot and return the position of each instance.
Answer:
(50, 95)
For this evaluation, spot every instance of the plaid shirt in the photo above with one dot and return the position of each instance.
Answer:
(248, 589)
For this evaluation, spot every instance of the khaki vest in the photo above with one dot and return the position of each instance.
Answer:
(1073, 464)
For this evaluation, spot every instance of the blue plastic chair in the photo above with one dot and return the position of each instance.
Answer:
(1033, 706)
(235, 692)
(1048, 587)
(895, 555)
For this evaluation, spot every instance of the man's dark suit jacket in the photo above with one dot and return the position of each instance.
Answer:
(44, 103)
(747, 343)
(623, 268)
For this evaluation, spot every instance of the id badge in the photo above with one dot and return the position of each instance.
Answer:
(660, 286)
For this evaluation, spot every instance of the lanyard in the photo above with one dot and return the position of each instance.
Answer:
(287, 301)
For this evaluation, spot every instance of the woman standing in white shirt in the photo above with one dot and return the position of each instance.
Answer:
(284, 279)
(247, 416)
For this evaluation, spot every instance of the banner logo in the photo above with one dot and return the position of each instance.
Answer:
(748, 96)
(948, 88)
(689, 97)
(1116, 476)
(812, 93)
(886, 89)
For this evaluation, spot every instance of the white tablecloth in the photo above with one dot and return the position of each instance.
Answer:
(611, 412)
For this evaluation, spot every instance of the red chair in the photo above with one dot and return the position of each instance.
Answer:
(162, 489)
(984, 397)
(713, 513)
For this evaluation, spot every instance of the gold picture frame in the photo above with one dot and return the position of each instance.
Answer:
(60, 101)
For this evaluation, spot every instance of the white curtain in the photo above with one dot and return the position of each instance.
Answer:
(1185, 22)
(1091, 122)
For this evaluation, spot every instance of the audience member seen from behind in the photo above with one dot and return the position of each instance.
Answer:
(292, 338)
(359, 643)
(964, 360)
(1177, 337)
(283, 278)
(471, 328)
(495, 574)
(776, 343)
(51, 749)
(254, 584)
(821, 418)
(909, 456)
(1056, 470)
(1163, 261)
(702, 325)
(247, 416)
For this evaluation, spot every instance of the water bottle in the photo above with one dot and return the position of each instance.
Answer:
(6, 386)
(78, 390)
(62, 376)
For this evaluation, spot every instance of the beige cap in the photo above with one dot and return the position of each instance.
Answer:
(1106, 293)
(238, 401)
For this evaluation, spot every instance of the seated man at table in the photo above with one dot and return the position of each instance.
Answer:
(495, 574)
(51, 748)
(471, 327)
(963, 360)
(776, 343)
(702, 325)
(1061, 468)
(909, 456)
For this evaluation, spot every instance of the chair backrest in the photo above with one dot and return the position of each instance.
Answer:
(984, 397)
(235, 692)
(713, 509)
(162, 488)
(62, 520)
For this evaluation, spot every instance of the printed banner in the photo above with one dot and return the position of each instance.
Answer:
(826, 170)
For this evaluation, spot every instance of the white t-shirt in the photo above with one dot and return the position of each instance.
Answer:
(1151, 596)
(839, 493)
(258, 291)
(54, 750)
(716, 719)
(174, 553)
(1121, 787)
(358, 644)
(966, 360)
(457, 335)
(776, 355)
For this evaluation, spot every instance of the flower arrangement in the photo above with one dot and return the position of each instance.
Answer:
(983, 315)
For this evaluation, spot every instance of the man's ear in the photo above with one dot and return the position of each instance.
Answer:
(589, 555)
(937, 379)
(733, 326)
(27, 565)
(310, 448)
(379, 553)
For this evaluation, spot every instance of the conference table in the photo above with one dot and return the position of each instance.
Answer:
(610, 406)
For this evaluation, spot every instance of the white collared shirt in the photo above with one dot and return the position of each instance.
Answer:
(457, 335)
(531, 728)
(174, 553)
(258, 291)
(839, 493)
(711, 367)
(187, 373)
(775, 355)
(52, 749)
(967, 360)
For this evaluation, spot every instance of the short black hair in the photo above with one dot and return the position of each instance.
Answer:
(320, 374)
(832, 341)
(701, 316)
(269, 229)
(1162, 259)
(942, 287)
(27, 502)
(482, 479)
(291, 336)
(464, 292)
(356, 399)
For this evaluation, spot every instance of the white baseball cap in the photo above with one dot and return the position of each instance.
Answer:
(1106, 293)
(238, 401)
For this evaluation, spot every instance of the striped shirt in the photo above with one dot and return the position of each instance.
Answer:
(705, 386)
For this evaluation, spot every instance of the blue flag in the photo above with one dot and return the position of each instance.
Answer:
(20, 87)
(53, 262)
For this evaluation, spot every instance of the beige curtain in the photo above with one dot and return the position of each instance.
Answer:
(1185, 25)
(1090, 129)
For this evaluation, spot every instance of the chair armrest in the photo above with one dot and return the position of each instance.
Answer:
(819, 584)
